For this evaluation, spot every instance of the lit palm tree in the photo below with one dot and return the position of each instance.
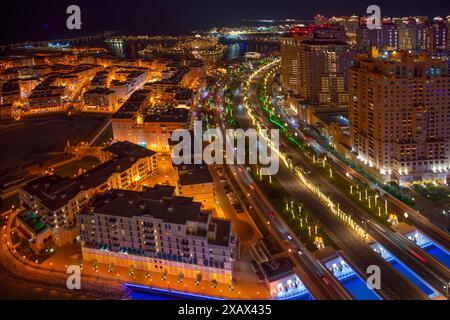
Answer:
(198, 279)
(213, 283)
(164, 275)
(111, 267)
(94, 264)
(180, 277)
(232, 284)
(147, 274)
(131, 270)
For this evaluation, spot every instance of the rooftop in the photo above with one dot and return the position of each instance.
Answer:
(277, 269)
(194, 174)
(55, 191)
(32, 221)
(168, 115)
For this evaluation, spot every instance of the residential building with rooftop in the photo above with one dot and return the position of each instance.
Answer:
(152, 126)
(156, 231)
(195, 180)
(57, 200)
(34, 230)
(399, 115)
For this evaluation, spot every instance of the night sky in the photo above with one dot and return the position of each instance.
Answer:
(45, 20)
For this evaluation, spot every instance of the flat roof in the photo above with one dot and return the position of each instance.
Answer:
(278, 268)
(32, 221)
(55, 191)
(194, 174)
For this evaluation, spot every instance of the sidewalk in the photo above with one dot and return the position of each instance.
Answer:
(54, 271)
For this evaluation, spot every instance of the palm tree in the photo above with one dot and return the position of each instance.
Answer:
(213, 283)
(131, 270)
(164, 275)
(232, 284)
(111, 267)
(94, 264)
(198, 279)
(147, 274)
(180, 277)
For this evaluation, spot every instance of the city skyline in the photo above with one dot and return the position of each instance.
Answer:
(45, 20)
(256, 159)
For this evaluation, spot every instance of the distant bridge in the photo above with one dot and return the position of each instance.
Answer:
(99, 36)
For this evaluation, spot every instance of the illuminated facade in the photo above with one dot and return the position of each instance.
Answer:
(155, 231)
(151, 128)
(399, 113)
(58, 200)
(314, 65)
(100, 100)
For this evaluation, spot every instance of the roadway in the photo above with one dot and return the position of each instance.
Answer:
(428, 268)
(320, 283)
(396, 205)
(414, 217)
(395, 286)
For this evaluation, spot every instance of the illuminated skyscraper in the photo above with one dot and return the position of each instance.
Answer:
(399, 112)
(314, 64)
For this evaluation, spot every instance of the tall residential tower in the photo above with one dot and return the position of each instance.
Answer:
(399, 111)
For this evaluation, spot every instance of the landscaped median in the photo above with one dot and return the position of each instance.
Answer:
(307, 228)
(361, 195)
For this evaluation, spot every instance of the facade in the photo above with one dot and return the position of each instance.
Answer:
(100, 100)
(415, 34)
(314, 65)
(431, 36)
(58, 200)
(280, 277)
(152, 127)
(158, 232)
(290, 58)
(399, 113)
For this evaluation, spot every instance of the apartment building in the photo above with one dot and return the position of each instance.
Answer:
(196, 181)
(156, 231)
(314, 65)
(59, 199)
(399, 114)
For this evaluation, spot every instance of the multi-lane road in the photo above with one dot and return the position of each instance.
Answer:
(316, 278)
(395, 285)
(430, 270)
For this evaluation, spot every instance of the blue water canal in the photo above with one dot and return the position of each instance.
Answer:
(350, 280)
(405, 271)
(146, 293)
(430, 247)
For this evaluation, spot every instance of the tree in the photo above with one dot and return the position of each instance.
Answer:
(147, 274)
(131, 270)
(233, 283)
(94, 264)
(198, 279)
(164, 275)
(180, 277)
(111, 267)
(213, 283)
